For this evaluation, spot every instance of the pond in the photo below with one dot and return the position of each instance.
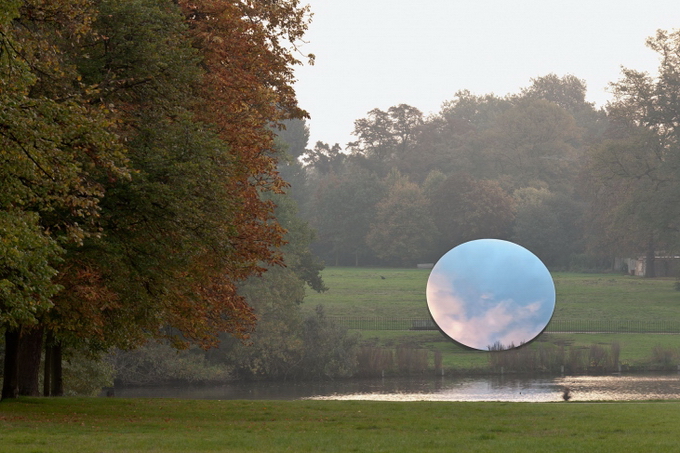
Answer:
(626, 387)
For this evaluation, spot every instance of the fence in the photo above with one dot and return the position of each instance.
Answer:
(555, 326)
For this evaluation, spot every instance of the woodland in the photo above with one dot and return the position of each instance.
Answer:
(156, 184)
(575, 184)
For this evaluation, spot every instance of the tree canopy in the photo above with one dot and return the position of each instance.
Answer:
(138, 150)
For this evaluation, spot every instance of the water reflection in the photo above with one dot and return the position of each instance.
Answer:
(494, 388)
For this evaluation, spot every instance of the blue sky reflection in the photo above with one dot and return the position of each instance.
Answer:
(490, 291)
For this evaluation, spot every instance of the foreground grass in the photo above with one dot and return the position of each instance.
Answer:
(164, 425)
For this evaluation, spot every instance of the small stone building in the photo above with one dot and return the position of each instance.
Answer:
(665, 265)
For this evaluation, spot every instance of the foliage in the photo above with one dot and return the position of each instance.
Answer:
(342, 210)
(85, 375)
(402, 232)
(27, 258)
(285, 344)
(160, 363)
(330, 352)
(111, 149)
(635, 174)
(387, 137)
(324, 159)
(548, 225)
(464, 209)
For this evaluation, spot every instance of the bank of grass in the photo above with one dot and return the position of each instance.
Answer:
(401, 293)
(385, 292)
(165, 425)
(372, 292)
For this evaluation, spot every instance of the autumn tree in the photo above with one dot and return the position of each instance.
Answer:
(55, 148)
(191, 91)
(192, 222)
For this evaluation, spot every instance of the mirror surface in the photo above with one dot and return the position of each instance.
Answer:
(490, 294)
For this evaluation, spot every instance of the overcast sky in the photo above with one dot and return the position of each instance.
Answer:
(380, 53)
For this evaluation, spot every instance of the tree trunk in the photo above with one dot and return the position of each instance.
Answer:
(47, 370)
(57, 388)
(30, 350)
(48, 365)
(650, 271)
(10, 384)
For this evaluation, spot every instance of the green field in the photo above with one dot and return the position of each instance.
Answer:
(362, 292)
(55, 425)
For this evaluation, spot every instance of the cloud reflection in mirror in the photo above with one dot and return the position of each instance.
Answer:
(490, 294)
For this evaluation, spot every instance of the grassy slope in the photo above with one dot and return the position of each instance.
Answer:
(119, 425)
(362, 292)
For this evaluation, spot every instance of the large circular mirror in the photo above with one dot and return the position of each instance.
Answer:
(490, 294)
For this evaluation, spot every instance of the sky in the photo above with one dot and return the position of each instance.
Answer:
(488, 291)
(379, 53)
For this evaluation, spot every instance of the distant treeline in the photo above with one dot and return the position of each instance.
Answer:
(575, 184)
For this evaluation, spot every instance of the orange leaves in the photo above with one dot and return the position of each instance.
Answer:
(247, 87)
(188, 222)
(83, 305)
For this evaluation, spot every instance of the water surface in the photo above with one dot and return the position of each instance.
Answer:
(632, 387)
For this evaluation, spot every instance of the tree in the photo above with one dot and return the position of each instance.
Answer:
(164, 253)
(569, 92)
(192, 222)
(549, 225)
(464, 209)
(325, 159)
(402, 232)
(55, 148)
(295, 134)
(632, 195)
(634, 176)
(342, 210)
(533, 142)
(453, 140)
(27, 258)
(384, 139)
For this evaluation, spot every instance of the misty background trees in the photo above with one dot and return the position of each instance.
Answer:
(576, 184)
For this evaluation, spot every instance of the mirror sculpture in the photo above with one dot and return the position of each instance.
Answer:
(490, 294)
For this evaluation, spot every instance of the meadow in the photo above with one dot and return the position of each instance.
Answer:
(55, 425)
(400, 293)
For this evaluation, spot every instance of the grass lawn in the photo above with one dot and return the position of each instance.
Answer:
(164, 425)
(591, 296)
(362, 292)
